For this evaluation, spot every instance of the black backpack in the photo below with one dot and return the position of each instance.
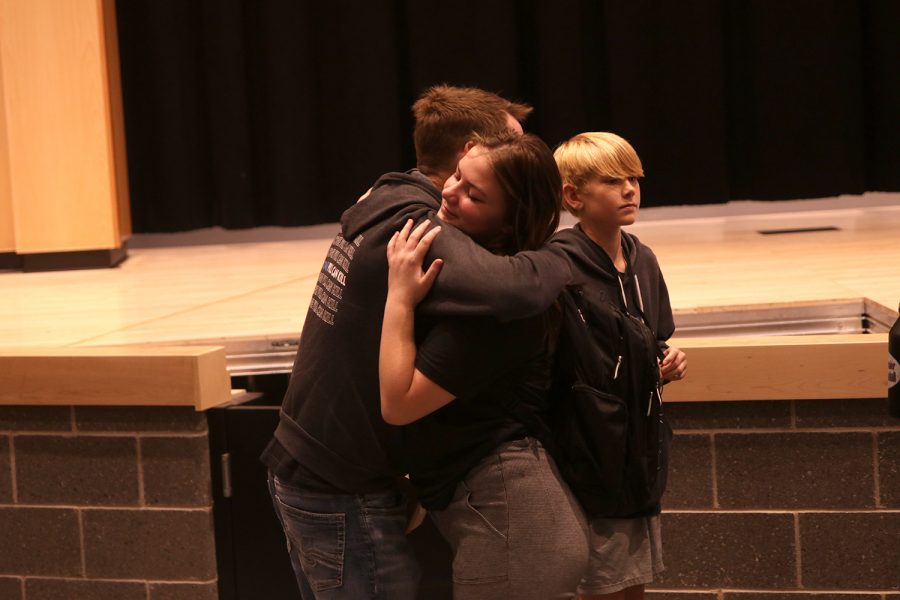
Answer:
(607, 430)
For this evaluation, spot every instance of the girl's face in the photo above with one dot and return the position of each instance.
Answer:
(473, 201)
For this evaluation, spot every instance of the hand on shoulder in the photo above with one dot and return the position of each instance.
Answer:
(406, 250)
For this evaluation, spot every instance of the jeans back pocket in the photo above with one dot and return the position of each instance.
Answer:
(319, 539)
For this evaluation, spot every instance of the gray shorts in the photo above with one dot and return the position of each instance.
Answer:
(515, 528)
(624, 553)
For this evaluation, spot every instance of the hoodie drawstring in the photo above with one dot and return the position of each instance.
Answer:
(622, 290)
(637, 286)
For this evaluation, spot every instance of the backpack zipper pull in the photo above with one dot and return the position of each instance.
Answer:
(616, 370)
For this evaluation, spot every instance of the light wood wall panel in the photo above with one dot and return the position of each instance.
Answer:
(791, 367)
(65, 182)
(115, 376)
(7, 232)
(116, 118)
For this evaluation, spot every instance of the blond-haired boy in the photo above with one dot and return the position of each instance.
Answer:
(601, 175)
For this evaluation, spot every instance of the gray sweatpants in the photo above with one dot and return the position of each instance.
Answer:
(515, 528)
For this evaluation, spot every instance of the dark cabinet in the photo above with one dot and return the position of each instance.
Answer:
(250, 547)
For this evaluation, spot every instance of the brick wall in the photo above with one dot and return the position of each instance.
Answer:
(105, 502)
(767, 500)
(783, 499)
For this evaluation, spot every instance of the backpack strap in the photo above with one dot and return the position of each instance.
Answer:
(587, 363)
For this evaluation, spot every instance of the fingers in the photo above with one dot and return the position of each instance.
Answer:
(398, 238)
(406, 251)
(675, 371)
(419, 230)
(418, 240)
(432, 273)
(404, 233)
(409, 235)
(392, 243)
(674, 364)
(425, 242)
(414, 237)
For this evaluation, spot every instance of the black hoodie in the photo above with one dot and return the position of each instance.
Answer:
(331, 436)
(641, 287)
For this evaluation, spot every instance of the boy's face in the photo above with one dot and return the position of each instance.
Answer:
(609, 202)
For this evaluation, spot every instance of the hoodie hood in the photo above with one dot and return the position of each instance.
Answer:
(592, 261)
(391, 191)
(593, 270)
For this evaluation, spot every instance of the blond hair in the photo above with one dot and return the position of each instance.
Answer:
(587, 156)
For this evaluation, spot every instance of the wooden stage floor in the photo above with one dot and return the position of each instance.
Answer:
(256, 285)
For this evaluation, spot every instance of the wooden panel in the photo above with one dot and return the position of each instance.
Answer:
(116, 118)
(120, 376)
(7, 232)
(782, 368)
(58, 123)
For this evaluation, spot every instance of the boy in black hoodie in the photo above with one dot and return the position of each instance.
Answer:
(333, 461)
(601, 186)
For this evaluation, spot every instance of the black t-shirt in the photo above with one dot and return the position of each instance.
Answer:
(493, 369)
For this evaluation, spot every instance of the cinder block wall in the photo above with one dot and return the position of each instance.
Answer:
(105, 502)
(782, 499)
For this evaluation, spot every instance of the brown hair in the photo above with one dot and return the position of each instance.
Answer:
(528, 176)
(447, 117)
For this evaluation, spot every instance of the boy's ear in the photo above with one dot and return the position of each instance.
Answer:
(570, 198)
(465, 149)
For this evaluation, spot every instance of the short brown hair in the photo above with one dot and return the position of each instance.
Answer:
(527, 175)
(447, 117)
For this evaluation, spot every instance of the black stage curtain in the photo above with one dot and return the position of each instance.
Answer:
(242, 113)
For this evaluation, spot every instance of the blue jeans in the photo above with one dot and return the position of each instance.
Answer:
(347, 546)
